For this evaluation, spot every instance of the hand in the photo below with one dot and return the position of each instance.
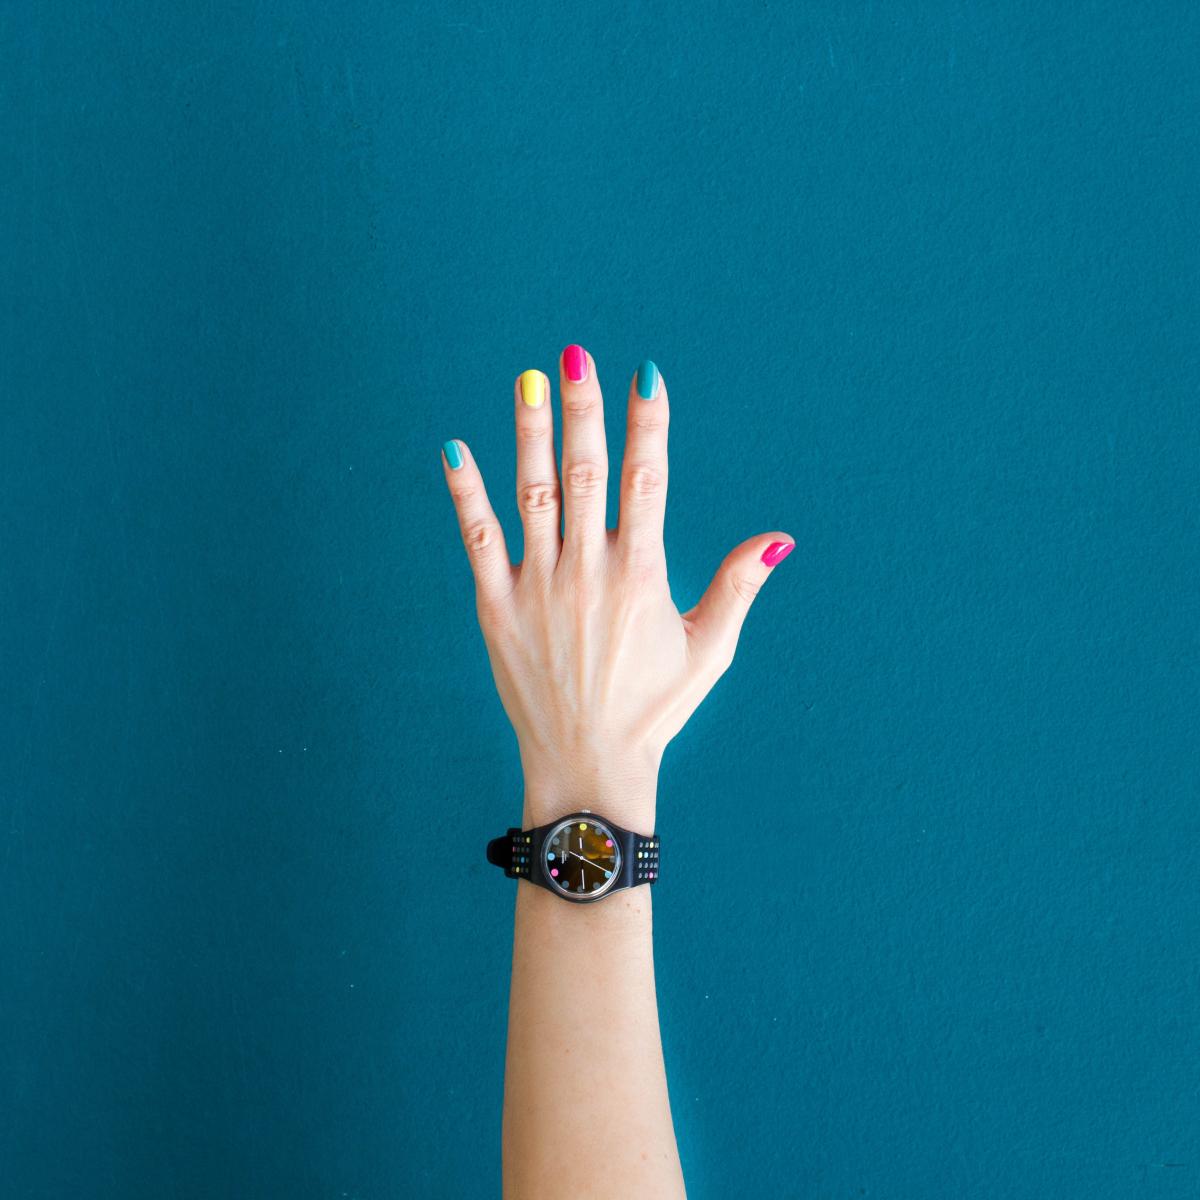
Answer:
(595, 666)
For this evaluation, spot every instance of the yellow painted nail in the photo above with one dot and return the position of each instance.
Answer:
(533, 388)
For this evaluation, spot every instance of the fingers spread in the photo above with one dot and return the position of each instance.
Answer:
(644, 470)
(585, 455)
(715, 623)
(537, 473)
(481, 532)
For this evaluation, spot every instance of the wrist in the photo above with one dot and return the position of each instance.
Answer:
(629, 800)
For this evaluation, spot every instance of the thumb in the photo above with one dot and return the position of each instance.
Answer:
(714, 624)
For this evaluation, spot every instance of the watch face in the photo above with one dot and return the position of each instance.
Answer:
(582, 857)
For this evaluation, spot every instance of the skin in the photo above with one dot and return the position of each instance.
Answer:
(597, 671)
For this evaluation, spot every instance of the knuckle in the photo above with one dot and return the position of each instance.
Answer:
(585, 478)
(462, 493)
(580, 405)
(645, 482)
(480, 534)
(649, 422)
(746, 589)
(530, 434)
(534, 499)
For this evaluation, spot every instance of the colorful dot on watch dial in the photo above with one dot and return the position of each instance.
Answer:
(608, 843)
(582, 826)
(550, 856)
(554, 872)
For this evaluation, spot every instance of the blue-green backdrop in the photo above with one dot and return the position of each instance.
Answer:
(923, 281)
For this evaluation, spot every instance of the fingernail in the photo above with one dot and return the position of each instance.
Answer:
(647, 380)
(575, 363)
(453, 455)
(533, 388)
(776, 552)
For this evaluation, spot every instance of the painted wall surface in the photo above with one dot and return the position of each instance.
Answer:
(923, 282)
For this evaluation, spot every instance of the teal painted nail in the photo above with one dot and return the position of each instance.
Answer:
(453, 455)
(647, 380)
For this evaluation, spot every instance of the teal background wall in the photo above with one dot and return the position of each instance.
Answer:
(923, 281)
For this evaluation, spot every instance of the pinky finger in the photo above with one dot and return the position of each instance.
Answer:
(495, 576)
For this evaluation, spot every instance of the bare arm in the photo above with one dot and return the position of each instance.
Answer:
(585, 1089)
(597, 670)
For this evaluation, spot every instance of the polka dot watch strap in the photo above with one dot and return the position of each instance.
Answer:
(645, 863)
(521, 852)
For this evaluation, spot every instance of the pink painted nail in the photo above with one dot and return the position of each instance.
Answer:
(776, 552)
(575, 361)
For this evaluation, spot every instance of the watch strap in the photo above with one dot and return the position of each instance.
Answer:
(513, 852)
(644, 860)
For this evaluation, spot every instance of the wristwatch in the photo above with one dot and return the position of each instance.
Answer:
(581, 857)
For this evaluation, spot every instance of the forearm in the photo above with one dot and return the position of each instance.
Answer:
(585, 1087)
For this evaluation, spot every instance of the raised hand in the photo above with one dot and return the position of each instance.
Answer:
(595, 666)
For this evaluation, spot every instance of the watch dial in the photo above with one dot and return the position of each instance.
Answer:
(582, 857)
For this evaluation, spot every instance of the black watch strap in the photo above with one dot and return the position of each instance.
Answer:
(520, 853)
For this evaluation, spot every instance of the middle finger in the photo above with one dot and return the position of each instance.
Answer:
(585, 455)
